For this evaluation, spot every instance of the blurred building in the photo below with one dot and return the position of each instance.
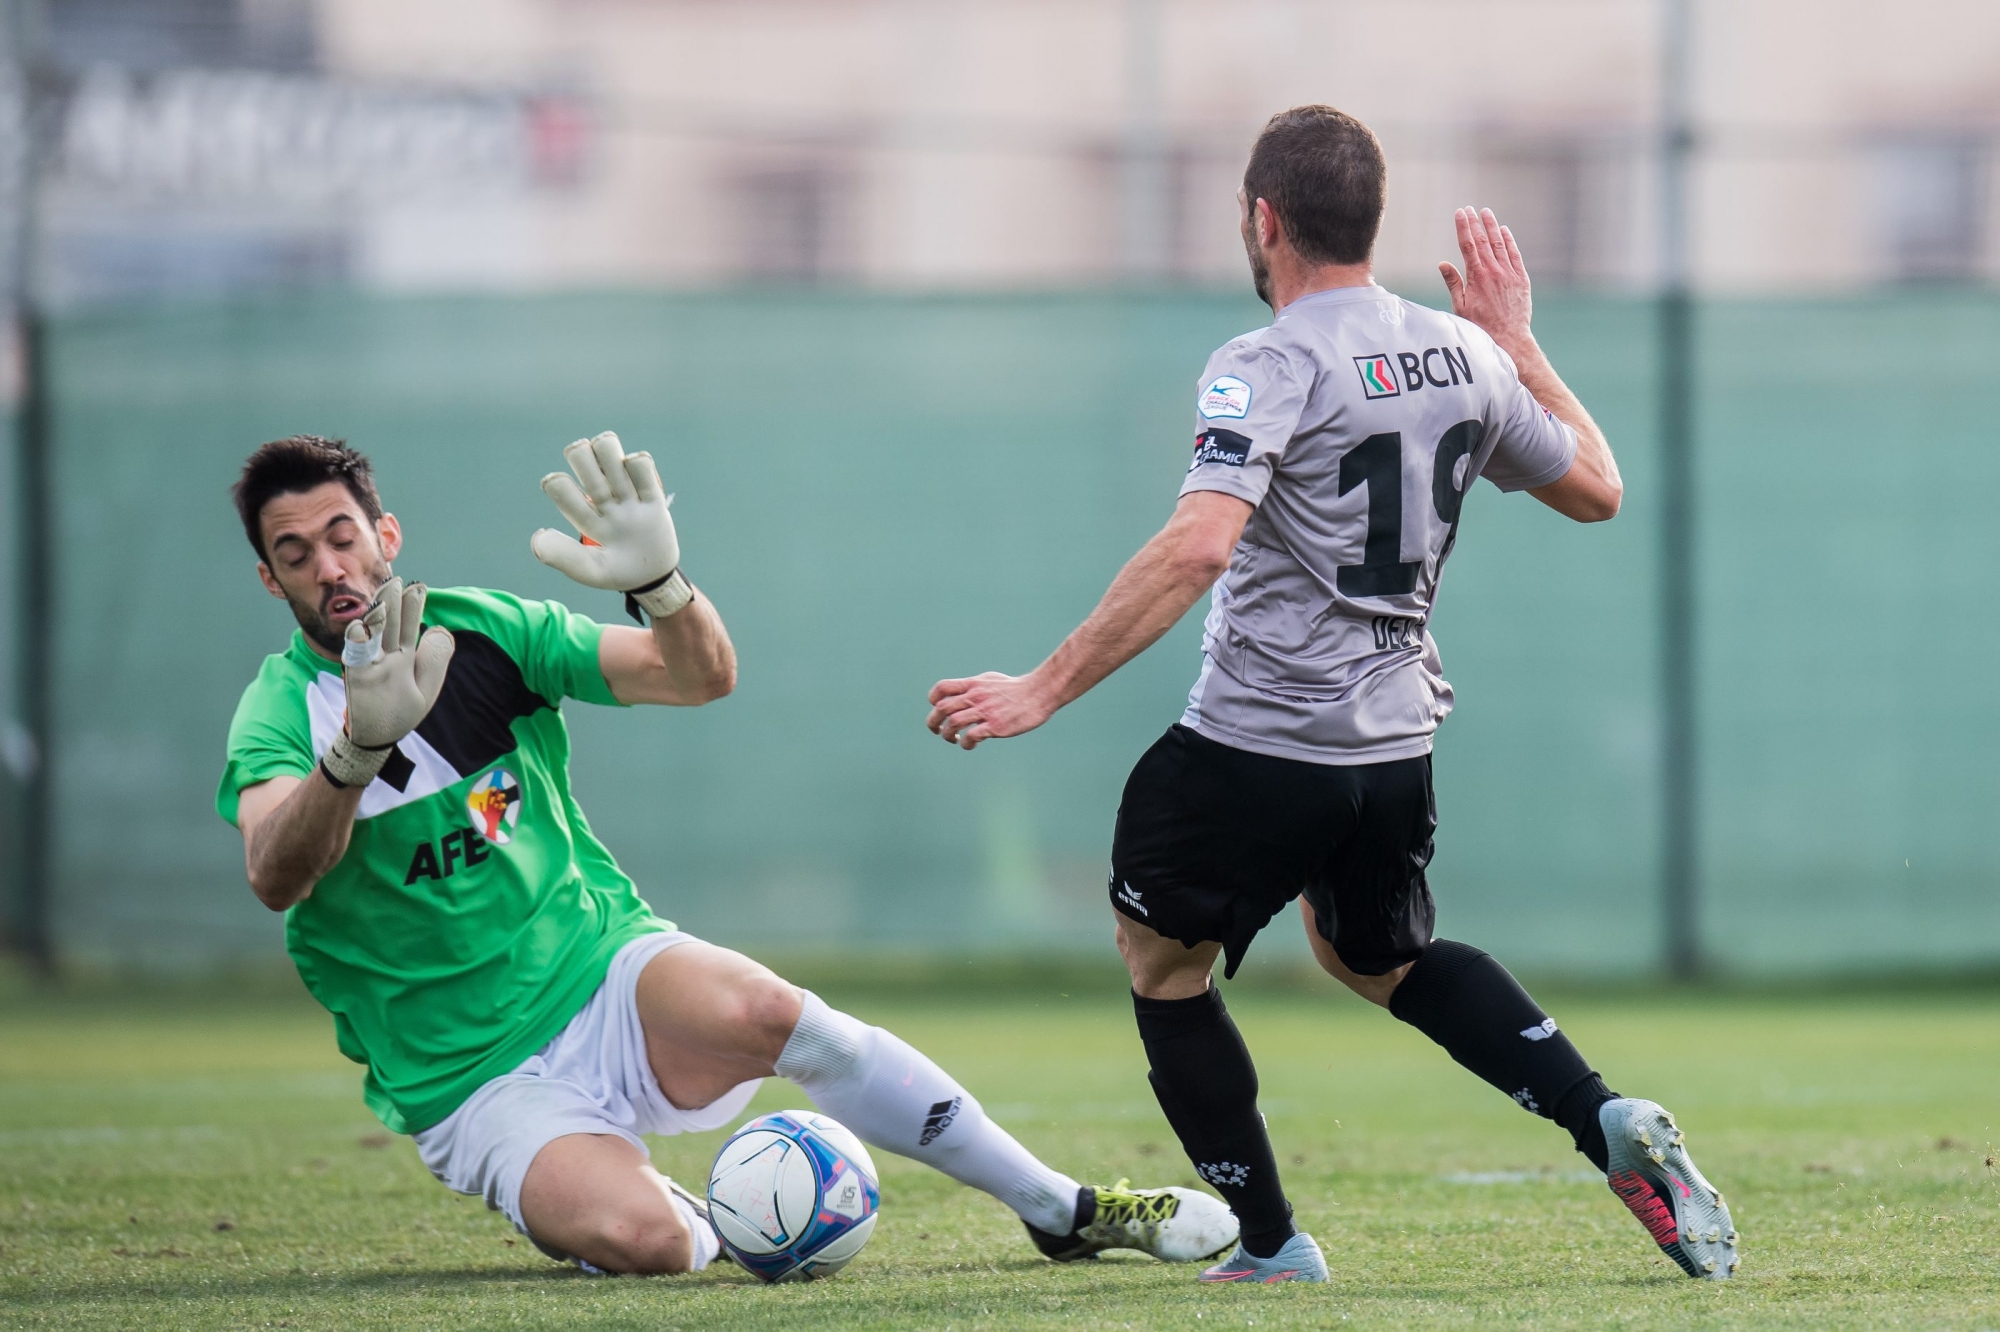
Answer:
(221, 144)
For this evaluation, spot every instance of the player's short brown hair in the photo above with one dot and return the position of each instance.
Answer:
(1323, 174)
(293, 465)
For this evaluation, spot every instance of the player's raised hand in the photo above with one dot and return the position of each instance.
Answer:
(988, 707)
(616, 502)
(393, 669)
(1493, 292)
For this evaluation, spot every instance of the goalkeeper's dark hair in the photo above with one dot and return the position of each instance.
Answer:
(294, 465)
(1323, 174)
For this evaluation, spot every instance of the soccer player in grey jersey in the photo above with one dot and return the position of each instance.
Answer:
(1333, 453)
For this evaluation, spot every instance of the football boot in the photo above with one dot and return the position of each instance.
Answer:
(1299, 1260)
(1174, 1225)
(1652, 1174)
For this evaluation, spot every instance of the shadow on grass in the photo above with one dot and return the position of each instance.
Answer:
(145, 1286)
(941, 1287)
(209, 1285)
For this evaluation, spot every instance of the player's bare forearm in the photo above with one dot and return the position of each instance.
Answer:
(294, 831)
(1592, 489)
(684, 660)
(1147, 598)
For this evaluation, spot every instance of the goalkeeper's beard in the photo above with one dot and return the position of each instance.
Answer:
(314, 621)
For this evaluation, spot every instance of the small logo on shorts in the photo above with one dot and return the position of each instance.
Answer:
(1129, 896)
(938, 1120)
(1219, 1173)
(495, 804)
(1541, 1033)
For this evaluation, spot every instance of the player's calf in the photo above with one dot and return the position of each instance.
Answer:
(643, 1241)
(596, 1198)
(893, 1097)
(1467, 1002)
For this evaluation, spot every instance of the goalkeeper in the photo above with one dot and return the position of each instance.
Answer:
(400, 775)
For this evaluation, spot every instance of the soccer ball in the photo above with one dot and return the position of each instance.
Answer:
(793, 1196)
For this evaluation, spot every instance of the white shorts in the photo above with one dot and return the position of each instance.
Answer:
(592, 1078)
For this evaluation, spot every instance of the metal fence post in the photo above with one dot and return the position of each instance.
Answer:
(1680, 830)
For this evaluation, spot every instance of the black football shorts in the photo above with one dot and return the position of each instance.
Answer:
(1213, 841)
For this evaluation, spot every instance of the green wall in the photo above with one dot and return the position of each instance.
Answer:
(879, 491)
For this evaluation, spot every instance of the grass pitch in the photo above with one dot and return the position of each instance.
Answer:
(187, 1162)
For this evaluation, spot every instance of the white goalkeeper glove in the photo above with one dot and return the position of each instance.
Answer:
(629, 545)
(393, 677)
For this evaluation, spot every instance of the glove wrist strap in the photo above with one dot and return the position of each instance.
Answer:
(347, 764)
(659, 598)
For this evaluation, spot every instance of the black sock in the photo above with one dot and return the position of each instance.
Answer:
(1207, 1086)
(1577, 1112)
(1465, 1001)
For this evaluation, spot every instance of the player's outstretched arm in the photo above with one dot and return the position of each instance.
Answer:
(295, 830)
(1148, 597)
(615, 500)
(1495, 294)
(683, 661)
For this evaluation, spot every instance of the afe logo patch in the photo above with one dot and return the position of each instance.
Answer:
(495, 805)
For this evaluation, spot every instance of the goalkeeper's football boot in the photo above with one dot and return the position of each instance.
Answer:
(1652, 1174)
(1173, 1225)
(1299, 1260)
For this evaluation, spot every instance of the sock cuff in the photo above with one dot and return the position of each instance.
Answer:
(703, 1242)
(1442, 962)
(1581, 1100)
(1172, 1014)
(823, 1046)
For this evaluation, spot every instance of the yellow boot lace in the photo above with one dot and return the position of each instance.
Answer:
(1122, 1205)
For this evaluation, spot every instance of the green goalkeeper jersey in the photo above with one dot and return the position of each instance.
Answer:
(473, 913)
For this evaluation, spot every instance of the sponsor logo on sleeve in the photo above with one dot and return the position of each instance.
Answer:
(1378, 378)
(1220, 446)
(1225, 396)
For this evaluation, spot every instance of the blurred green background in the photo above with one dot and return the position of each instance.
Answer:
(881, 490)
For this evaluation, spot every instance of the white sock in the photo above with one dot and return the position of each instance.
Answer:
(894, 1098)
(705, 1242)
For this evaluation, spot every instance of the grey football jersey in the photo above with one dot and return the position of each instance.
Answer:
(1355, 423)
